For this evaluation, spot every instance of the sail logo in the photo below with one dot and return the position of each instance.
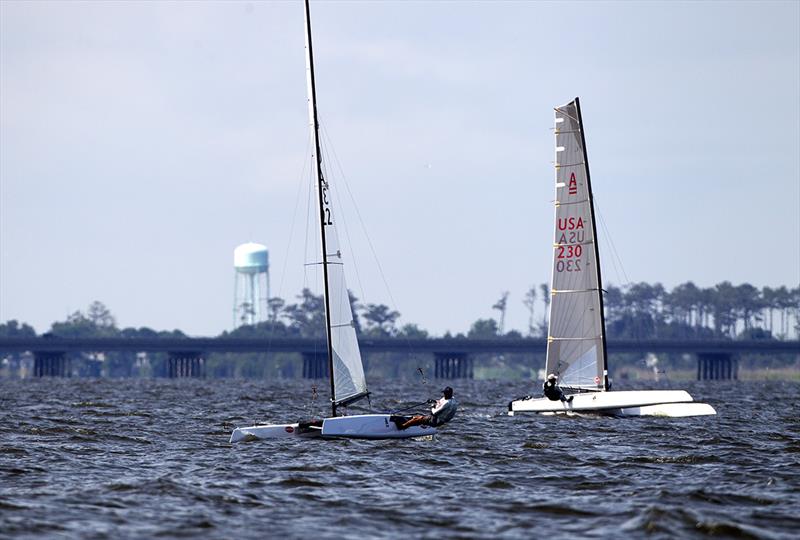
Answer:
(570, 223)
(573, 185)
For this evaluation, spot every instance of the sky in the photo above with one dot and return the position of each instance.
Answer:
(141, 142)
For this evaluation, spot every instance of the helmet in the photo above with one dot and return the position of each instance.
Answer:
(447, 392)
(552, 377)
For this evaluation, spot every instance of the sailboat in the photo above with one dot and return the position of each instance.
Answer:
(345, 368)
(576, 340)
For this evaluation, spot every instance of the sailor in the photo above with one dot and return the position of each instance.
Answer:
(552, 391)
(442, 411)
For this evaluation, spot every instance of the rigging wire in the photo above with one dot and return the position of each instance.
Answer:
(615, 255)
(288, 246)
(341, 216)
(338, 164)
(626, 282)
(310, 183)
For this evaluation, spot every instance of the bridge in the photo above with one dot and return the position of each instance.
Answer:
(716, 359)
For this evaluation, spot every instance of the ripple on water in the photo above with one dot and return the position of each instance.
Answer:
(115, 458)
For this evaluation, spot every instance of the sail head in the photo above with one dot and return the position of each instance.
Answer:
(575, 343)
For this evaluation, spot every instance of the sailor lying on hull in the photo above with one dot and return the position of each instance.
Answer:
(442, 411)
(552, 391)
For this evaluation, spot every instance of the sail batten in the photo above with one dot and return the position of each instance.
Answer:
(576, 337)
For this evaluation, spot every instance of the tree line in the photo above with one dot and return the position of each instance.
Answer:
(643, 310)
(637, 311)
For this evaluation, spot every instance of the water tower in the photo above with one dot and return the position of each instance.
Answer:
(250, 284)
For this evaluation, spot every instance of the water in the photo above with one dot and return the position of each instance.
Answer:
(127, 458)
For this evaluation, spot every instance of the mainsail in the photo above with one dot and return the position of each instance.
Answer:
(346, 370)
(576, 350)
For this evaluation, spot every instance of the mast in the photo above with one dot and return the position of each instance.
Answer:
(321, 194)
(596, 249)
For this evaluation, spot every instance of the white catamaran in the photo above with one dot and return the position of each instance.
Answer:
(576, 340)
(346, 370)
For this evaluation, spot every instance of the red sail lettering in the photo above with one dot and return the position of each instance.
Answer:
(573, 185)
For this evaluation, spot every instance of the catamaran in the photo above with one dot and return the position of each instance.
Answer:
(576, 337)
(345, 368)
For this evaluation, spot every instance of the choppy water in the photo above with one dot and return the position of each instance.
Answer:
(122, 458)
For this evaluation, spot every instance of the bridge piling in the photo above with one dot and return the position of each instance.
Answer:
(315, 365)
(185, 364)
(50, 364)
(717, 366)
(452, 366)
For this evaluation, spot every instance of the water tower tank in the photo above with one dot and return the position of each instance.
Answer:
(251, 258)
(250, 284)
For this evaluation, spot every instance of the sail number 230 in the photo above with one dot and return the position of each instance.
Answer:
(568, 252)
(567, 258)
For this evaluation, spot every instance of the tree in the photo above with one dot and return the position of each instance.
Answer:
(530, 302)
(380, 319)
(412, 331)
(100, 315)
(275, 307)
(614, 303)
(307, 317)
(355, 306)
(483, 329)
(98, 323)
(683, 301)
(12, 328)
(500, 306)
(723, 307)
(748, 304)
(545, 288)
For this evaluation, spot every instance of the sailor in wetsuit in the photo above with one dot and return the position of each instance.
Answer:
(442, 411)
(552, 391)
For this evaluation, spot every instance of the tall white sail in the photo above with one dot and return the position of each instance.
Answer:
(575, 341)
(347, 371)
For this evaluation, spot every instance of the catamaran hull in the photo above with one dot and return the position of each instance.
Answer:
(370, 426)
(363, 426)
(273, 431)
(668, 403)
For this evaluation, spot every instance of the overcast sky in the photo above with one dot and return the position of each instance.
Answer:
(141, 142)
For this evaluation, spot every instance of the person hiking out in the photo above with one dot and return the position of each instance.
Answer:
(442, 411)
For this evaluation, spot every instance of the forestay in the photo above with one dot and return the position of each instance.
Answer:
(575, 343)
